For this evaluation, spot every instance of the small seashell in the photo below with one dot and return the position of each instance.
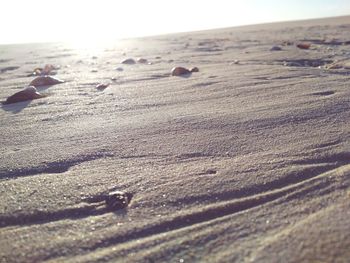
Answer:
(275, 48)
(29, 93)
(102, 86)
(303, 45)
(142, 60)
(45, 81)
(178, 71)
(118, 200)
(128, 61)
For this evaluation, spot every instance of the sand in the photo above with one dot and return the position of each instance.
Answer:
(247, 160)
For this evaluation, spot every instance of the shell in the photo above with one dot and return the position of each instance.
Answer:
(47, 70)
(29, 93)
(178, 71)
(303, 45)
(128, 61)
(45, 81)
(118, 200)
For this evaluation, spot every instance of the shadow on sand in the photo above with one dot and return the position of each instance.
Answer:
(15, 107)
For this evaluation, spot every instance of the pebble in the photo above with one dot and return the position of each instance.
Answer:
(142, 60)
(275, 48)
(178, 71)
(194, 69)
(235, 62)
(102, 86)
(303, 45)
(119, 69)
(118, 200)
(128, 61)
(29, 93)
(291, 64)
(45, 81)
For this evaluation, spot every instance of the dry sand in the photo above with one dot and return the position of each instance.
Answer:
(240, 162)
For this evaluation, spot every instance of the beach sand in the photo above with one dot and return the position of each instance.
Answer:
(247, 160)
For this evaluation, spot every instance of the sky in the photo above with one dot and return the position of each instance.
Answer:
(24, 21)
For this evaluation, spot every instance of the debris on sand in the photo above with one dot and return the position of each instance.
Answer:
(46, 70)
(287, 43)
(128, 61)
(29, 93)
(118, 200)
(194, 69)
(102, 86)
(235, 62)
(142, 60)
(275, 48)
(45, 81)
(178, 71)
(303, 45)
(119, 69)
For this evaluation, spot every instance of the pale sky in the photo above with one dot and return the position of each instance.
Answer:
(23, 21)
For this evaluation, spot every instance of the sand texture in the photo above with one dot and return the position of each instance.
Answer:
(247, 160)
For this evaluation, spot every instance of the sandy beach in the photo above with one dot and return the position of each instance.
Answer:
(246, 160)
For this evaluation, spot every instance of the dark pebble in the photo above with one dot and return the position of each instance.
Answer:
(275, 48)
(194, 69)
(118, 200)
(102, 86)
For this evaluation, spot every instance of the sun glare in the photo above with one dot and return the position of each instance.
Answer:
(83, 21)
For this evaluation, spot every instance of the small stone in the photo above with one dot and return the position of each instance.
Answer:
(303, 45)
(142, 60)
(275, 48)
(287, 43)
(291, 64)
(29, 93)
(118, 200)
(194, 69)
(128, 61)
(119, 69)
(235, 62)
(178, 71)
(102, 86)
(45, 81)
